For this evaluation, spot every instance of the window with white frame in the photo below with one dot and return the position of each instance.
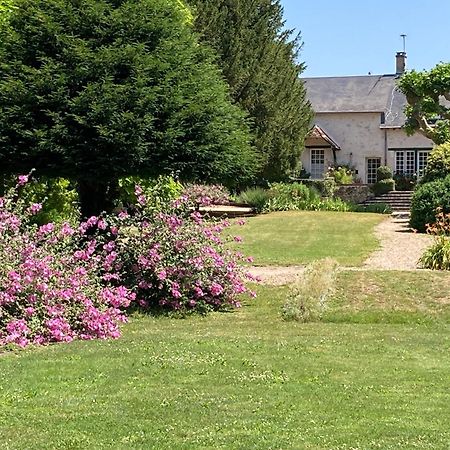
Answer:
(422, 159)
(409, 162)
(317, 162)
(372, 166)
(405, 161)
(399, 161)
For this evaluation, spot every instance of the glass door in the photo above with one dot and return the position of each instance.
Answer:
(317, 163)
(372, 166)
(422, 159)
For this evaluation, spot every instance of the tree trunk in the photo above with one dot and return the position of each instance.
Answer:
(96, 197)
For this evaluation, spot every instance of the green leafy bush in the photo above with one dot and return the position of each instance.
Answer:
(293, 191)
(384, 173)
(438, 164)
(306, 301)
(383, 186)
(404, 181)
(58, 197)
(426, 200)
(326, 187)
(159, 192)
(341, 174)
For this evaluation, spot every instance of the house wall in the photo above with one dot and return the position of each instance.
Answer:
(397, 138)
(360, 137)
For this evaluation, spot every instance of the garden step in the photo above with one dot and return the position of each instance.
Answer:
(401, 214)
(397, 200)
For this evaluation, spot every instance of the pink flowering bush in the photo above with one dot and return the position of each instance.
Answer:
(207, 194)
(61, 282)
(178, 260)
(57, 282)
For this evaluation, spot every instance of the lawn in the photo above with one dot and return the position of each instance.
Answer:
(300, 237)
(248, 380)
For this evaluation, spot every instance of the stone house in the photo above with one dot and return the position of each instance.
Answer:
(358, 122)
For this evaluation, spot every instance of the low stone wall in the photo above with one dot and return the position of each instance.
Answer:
(354, 193)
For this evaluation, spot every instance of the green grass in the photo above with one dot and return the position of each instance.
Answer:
(246, 380)
(391, 296)
(288, 238)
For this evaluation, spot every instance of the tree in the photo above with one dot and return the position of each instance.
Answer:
(259, 57)
(6, 6)
(94, 90)
(426, 111)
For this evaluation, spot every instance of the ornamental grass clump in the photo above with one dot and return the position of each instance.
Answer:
(178, 260)
(58, 282)
(437, 257)
(306, 301)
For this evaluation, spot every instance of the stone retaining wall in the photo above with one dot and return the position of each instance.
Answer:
(354, 193)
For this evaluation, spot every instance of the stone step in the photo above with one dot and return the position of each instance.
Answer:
(405, 215)
(382, 200)
(397, 200)
(396, 196)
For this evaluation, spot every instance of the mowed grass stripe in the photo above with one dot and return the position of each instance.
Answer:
(300, 237)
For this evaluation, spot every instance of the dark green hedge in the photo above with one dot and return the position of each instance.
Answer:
(426, 199)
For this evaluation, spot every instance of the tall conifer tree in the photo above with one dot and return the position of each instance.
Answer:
(259, 59)
(97, 89)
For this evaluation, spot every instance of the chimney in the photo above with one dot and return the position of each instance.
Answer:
(400, 63)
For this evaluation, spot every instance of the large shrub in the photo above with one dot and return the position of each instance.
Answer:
(177, 260)
(426, 200)
(97, 90)
(438, 163)
(57, 282)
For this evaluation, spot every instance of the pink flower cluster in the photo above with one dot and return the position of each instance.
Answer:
(180, 261)
(57, 283)
(207, 194)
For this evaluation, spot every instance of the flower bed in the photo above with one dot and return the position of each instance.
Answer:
(61, 282)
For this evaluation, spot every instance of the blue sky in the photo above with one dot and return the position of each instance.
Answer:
(354, 37)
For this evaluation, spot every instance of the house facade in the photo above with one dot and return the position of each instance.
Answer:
(358, 122)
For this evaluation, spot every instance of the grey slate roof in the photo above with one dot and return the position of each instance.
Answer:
(369, 93)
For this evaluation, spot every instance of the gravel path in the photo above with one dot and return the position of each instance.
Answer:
(400, 250)
(400, 247)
